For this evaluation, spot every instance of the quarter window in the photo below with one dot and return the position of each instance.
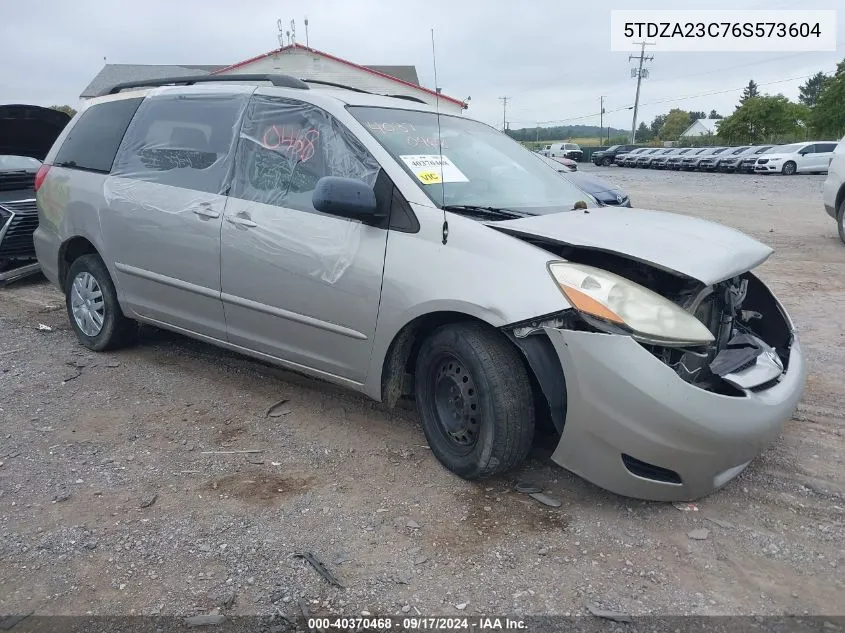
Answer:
(92, 142)
(286, 146)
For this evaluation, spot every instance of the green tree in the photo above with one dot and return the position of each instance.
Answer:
(714, 115)
(644, 133)
(828, 116)
(764, 119)
(656, 124)
(676, 122)
(695, 115)
(809, 91)
(750, 92)
(64, 108)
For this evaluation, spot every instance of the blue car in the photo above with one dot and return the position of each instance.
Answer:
(605, 193)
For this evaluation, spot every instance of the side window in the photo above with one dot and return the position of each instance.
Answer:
(183, 140)
(92, 142)
(286, 146)
(810, 149)
(825, 147)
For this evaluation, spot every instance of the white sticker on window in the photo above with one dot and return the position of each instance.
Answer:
(432, 169)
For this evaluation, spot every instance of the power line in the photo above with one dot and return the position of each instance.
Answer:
(669, 100)
(710, 72)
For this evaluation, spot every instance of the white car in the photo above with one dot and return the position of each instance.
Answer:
(834, 188)
(797, 158)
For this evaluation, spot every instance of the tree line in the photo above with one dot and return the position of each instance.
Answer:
(757, 118)
(762, 118)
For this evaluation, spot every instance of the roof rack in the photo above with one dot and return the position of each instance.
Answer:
(408, 98)
(367, 92)
(335, 85)
(281, 81)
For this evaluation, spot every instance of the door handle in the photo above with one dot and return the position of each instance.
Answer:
(238, 221)
(207, 212)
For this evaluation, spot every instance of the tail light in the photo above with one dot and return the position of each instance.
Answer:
(40, 175)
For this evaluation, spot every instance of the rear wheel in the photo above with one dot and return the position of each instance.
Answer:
(788, 168)
(474, 400)
(93, 308)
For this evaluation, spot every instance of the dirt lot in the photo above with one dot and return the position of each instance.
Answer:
(87, 440)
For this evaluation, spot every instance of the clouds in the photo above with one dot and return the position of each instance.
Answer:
(551, 57)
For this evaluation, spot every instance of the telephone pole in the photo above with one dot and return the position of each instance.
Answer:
(639, 73)
(504, 101)
(601, 121)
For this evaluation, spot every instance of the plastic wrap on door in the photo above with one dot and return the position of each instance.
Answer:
(284, 149)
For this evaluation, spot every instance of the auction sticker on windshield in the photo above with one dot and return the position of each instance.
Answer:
(431, 169)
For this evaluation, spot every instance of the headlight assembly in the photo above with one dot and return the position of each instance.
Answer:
(618, 303)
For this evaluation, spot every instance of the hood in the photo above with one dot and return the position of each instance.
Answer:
(590, 184)
(698, 249)
(29, 130)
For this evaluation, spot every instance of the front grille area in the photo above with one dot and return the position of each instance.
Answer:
(16, 181)
(16, 234)
(762, 161)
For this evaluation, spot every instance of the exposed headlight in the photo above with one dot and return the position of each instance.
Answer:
(617, 302)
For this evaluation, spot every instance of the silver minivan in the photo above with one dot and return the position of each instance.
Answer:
(369, 241)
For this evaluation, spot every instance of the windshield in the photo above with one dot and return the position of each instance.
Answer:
(785, 149)
(18, 162)
(479, 166)
(613, 148)
(719, 151)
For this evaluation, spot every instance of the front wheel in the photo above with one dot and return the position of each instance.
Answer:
(474, 400)
(93, 308)
(607, 161)
(788, 168)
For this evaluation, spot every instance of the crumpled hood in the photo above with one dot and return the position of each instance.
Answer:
(699, 249)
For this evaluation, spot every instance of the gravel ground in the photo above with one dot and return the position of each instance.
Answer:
(122, 488)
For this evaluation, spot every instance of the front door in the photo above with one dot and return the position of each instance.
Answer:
(297, 284)
(165, 208)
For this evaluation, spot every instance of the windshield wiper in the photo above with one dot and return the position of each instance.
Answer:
(481, 210)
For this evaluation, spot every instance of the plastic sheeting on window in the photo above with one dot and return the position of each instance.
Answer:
(285, 148)
(183, 140)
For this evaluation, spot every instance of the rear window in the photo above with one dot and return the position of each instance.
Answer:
(825, 147)
(92, 142)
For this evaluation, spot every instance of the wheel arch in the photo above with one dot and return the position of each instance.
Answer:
(538, 358)
(71, 250)
(840, 198)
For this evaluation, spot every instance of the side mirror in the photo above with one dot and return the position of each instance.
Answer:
(345, 197)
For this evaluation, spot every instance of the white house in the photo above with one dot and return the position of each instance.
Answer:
(296, 60)
(702, 127)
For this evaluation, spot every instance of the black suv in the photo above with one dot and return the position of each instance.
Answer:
(607, 156)
(26, 134)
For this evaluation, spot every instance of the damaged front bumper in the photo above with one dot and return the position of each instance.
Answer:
(634, 427)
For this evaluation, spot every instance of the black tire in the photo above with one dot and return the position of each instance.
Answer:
(468, 368)
(788, 168)
(607, 161)
(840, 221)
(116, 330)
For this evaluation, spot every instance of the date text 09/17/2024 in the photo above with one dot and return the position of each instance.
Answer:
(418, 623)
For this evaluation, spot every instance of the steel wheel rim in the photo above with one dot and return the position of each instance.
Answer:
(86, 303)
(456, 404)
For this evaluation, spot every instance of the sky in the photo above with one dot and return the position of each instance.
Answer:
(551, 58)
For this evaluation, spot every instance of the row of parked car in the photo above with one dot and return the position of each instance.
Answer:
(812, 157)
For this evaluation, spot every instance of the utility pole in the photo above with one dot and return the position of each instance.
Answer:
(639, 73)
(601, 121)
(504, 101)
